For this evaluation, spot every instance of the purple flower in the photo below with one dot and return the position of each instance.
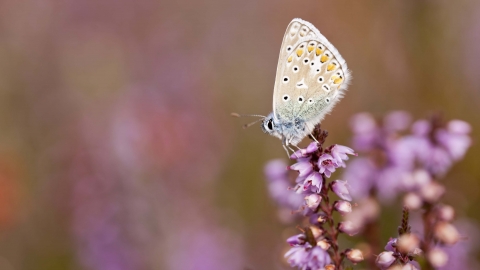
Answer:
(279, 185)
(455, 138)
(365, 129)
(343, 207)
(438, 147)
(297, 256)
(312, 147)
(313, 201)
(307, 257)
(363, 175)
(396, 121)
(296, 240)
(348, 227)
(312, 183)
(385, 259)
(339, 154)
(341, 189)
(304, 167)
(326, 165)
(391, 244)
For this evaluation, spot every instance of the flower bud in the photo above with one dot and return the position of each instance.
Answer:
(446, 233)
(385, 259)
(313, 200)
(459, 127)
(295, 240)
(437, 257)
(354, 255)
(348, 227)
(341, 189)
(329, 267)
(432, 192)
(343, 207)
(407, 243)
(412, 201)
(445, 213)
(323, 244)
(316, 231)
(391, 245)
(318, 219)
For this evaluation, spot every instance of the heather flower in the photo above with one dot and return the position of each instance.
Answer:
(445, 212)
(304, 167)
(432, 192)
(365, 212)
(354, 255)
(312, 201)
(391, 244)
(462, 254)
(407, 243)
(446, 233)
(437, 257)
(318, 247)
(279, 185)
(363, 176)
(308, 257)
(385, 259)
(438, 145)
(340, 188)
(311, 148)
(343, 207)
(348, 227)
(297, 240)
(340, 153)
(412, 201)
(312, 183)
(326, 165)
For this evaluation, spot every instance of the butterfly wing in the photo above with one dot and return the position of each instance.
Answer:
(311, 75)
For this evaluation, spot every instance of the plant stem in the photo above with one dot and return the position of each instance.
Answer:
(327, 208)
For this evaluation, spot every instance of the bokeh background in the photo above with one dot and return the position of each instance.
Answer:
(117, 150)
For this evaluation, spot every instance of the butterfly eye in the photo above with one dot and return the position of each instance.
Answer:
(285, 79)
(270, 124)
(286, 98)
(327, 100)
(320, 79)
(300, 99)
(295, 69)
(310, 101)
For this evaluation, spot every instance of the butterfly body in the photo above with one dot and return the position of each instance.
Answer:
(311, 78)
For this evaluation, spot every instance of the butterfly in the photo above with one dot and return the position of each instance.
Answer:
(311, 78)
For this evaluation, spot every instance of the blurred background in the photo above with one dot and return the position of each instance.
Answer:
(117, 150)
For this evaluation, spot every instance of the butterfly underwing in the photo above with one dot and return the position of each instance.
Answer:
(311, 78)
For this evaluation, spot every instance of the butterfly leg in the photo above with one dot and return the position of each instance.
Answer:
(286, 144)
(311, 135)
(286, 150)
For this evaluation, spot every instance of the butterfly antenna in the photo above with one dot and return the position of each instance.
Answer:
(252, 123)
(244, 115)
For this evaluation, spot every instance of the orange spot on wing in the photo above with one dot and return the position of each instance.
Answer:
(338, 80)
(324, 58)
(290, 58)
(330, 67)
(318, 51)
(299, 52)
(310, 49)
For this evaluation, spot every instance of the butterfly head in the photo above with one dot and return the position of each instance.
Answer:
(270, 126)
